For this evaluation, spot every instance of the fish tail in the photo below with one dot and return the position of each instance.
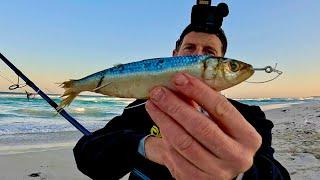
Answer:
(69, 98)
(70, 93)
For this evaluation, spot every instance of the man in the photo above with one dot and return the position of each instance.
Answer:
(203, 134)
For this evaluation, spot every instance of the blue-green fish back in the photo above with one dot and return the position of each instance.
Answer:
(154, 65)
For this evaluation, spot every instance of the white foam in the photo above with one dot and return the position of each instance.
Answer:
(277, 106)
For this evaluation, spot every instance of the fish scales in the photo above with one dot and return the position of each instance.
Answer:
(153, 65)
(136, 79)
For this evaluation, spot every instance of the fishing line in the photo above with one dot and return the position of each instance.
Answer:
(130, 107)
(267, 69)
(18, 85)
(14, 85)
(9, 80)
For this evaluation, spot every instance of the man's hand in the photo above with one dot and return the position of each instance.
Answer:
(193, 145)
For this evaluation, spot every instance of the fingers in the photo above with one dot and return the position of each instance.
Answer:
(154, 149)
(185, 151)
(224, 114)
(180, 168)
(224, 142)
(197, 124)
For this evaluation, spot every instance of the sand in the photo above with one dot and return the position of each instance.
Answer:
(52, 164)
(296, 139)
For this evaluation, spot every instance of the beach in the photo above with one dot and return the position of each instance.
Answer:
(296, 140)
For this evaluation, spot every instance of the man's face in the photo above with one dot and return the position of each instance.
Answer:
(199, 43)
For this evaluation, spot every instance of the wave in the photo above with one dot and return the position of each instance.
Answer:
(34, 129)
(81, 97)
(9, 115)
(93, 112)
(50, 113)
(104, 100)
(35, 126)
(32, 112)
(312, 98)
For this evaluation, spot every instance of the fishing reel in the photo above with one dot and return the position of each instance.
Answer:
(208, 18)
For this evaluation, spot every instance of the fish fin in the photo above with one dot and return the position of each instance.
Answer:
(67, 101)
(69, 93)
(67, 84)
(102, 86)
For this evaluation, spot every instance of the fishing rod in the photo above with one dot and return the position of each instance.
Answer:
(61, 111)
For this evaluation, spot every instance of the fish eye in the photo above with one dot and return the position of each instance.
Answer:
(234, 66)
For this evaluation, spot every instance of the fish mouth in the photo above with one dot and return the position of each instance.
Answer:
(246, 71)
(248, 68)
(251, 69)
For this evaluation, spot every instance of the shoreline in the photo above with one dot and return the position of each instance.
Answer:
(296, 140)
(20, 149)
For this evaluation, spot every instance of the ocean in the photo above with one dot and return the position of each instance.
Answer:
(34, 121)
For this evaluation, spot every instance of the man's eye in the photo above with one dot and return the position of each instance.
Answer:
(188, 47)
(211, 53)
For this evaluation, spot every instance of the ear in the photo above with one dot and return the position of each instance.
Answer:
(174, 52)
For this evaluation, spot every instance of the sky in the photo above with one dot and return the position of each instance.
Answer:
(53, 41)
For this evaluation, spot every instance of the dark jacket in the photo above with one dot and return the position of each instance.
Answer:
(111, 152)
